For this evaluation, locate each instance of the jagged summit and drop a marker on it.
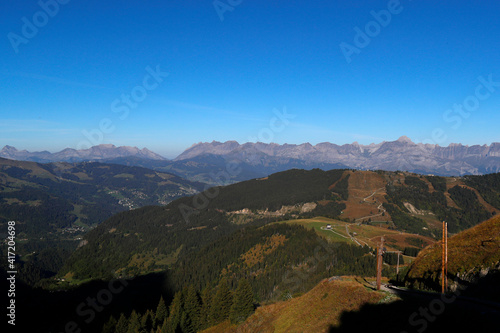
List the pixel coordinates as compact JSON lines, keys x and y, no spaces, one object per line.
{"x":264,"y":158}
{"x":404,"y":138}
{"x":106,"y":145}
{"x":402,"y":154}
{"x":8,"y":148}
{"x":99,"y":152}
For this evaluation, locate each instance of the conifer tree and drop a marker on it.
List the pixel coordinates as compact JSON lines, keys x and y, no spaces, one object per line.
{"x":192,"y":311}
{"x":186,"y":323}
{"x":206,"y":300}
{"x":147,"y":322}
{"x":175,"y":312}
{"x":221,"y":303}
{"x":242,"y":306}
{"x":110,"y":325}
{"x":134,"y":323}
{"x":161,"y":328}
{"x":122,"y":324}
{"x":164,"y":327}
{"x":161,"y":312}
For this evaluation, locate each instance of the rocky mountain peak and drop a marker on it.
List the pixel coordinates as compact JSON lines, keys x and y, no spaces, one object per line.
{"x":7,"y":147}
{"x":404,"y":139}
{"x":95,"y":153}
{"x":8,"y":150}
{"x":108,"y":146}
{"x":402,"y":154}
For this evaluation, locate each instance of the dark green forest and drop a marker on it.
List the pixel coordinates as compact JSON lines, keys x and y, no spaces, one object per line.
{"x":313,"y":257}
{"x":191,"y":222}
{"x":190,"y":311}
{"x":488,"y":186}
{"x":279,"y":189}
{"x":294,"y":266}
{"x":416,"y":191}
{"x":216,"y":284}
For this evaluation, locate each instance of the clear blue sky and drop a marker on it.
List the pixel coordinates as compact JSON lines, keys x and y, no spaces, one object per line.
{"x":226,"y":78}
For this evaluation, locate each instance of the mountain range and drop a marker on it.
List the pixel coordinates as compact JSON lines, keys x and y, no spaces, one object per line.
{"x":96,"y":153}
{"x":402,"y":154}
{"x":252,"y":160}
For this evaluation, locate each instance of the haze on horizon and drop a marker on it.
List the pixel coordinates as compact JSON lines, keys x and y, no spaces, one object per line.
{"x":134,"y":148}
{"x":166,"y":75}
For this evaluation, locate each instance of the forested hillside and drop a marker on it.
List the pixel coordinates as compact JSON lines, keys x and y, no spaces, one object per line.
{"x":278,"y":259}
{"x":153,"y":238}
{"x":227,"y":278}
{"x":46,"y":198}
{"x":54,"y":204}
{"x":162,"y":234}
{"x":445,"y":199}
{"x":218,"y":238}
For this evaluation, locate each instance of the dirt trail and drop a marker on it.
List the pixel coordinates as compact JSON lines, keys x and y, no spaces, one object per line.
{"x":379,"y":207}
{"x":363,"y":187}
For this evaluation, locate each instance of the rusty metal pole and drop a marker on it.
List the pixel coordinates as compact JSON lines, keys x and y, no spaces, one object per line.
{"x":445,"y":256}
{"x":397,"y":267}
{"x":443,"y":260}
{"x":380,"y":250}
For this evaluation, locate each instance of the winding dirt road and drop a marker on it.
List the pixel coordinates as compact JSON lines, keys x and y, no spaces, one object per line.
{"x":380,"y":206}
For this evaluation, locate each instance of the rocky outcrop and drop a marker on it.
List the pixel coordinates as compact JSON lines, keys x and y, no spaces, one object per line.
{"x":402,"y":154}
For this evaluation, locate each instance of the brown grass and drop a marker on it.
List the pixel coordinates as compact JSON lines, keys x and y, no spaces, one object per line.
{"x":256,"y":254}
{"x":361,"y":185}
{"x":471,"y":249}
{"x":314,"y":311}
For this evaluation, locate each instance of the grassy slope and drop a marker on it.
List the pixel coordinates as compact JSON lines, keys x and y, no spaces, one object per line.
{"x":468,"y":251}
{"x":366,"y":234}
{"x":314,"y":311}
{"x":320,"y":222}
{"x":370,"y":185}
